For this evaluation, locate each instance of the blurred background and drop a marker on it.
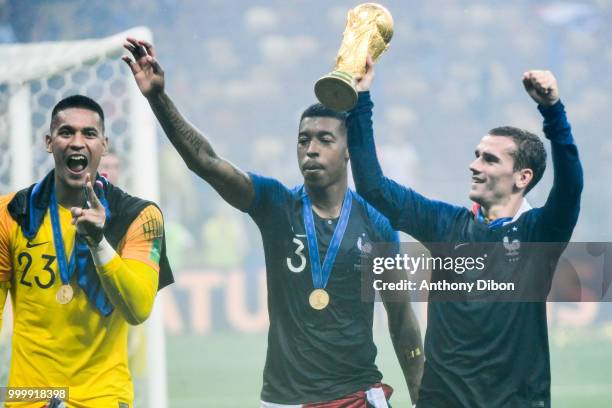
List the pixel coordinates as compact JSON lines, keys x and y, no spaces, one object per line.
{"x":243,"y":71}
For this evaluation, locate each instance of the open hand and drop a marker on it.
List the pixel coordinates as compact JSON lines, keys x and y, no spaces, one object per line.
{"x":147,"y":72}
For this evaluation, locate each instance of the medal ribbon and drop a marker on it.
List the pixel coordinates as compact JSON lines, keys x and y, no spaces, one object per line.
{"x":320,"y":276}
{"x":65,"y":269}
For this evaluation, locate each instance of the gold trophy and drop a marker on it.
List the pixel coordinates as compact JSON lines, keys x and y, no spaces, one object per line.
{"x":369,"y":28}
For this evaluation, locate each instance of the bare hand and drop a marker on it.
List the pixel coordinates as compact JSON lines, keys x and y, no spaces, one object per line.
{"x":364,"y":82}
{"x":90,"y":222}
{"x":147,"y":72}
{"x":542,"y":87}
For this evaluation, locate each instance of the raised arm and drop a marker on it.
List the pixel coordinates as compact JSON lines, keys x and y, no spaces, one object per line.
{"x":426,"y":220}
{"x":230,"y":182}
{"x":560,"y":213}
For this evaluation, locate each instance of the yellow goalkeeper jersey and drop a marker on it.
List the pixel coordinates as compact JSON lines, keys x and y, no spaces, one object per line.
{"x":67,"y":345}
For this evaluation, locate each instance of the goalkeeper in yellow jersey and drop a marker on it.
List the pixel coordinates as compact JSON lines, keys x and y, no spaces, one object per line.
{"x":81,"y":259}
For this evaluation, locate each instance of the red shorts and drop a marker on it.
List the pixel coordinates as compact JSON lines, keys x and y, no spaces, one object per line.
{"x":357,"y":399}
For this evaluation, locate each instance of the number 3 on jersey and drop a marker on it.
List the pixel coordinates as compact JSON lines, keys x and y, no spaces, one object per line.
{"x":299,"y":251}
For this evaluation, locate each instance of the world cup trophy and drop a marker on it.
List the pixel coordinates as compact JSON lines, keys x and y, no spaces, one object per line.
{"x":369,"y":29}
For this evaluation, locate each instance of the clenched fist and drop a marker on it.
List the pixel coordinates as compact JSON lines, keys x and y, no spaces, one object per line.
{"x":541,"y":86}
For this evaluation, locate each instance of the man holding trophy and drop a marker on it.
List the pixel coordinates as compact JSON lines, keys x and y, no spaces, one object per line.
{"x":485,"y":354}
{"x":321,"y":351}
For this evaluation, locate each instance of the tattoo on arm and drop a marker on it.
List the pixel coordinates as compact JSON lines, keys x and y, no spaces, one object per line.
{"x":230,"y":182}
{"x":195,"y":142}
{"x":185,"y":137}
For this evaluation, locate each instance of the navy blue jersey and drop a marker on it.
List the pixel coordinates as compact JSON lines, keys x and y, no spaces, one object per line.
{"x":315,"y":355}
{"x":481,"y":354}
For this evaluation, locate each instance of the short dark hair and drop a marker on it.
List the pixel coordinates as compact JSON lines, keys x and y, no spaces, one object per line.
{"x":77,"y":101}
{"x":319,"y":110}
{"x":529,"y":154}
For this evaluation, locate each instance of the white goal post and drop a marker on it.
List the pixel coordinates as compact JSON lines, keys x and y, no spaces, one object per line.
{"x":33,"y":78}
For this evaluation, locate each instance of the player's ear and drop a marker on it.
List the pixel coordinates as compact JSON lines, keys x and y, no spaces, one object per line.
{"x":522,"y":178}
{"x":48,"y":141}
{"x":105,"y":144}
{"x":343,"y":133}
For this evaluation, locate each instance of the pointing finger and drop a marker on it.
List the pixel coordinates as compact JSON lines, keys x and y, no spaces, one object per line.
{"x":94,"y":202}
{"x":92,"y":198}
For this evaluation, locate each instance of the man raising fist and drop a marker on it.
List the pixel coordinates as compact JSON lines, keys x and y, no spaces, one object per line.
{"x":492,"y":353}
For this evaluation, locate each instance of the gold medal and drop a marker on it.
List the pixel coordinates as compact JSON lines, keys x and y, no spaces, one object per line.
{"x":318,"y":299}
{"x":64,"y":294}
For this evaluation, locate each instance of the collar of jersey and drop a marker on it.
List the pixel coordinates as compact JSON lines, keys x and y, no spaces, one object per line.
{"x":500,"y":222}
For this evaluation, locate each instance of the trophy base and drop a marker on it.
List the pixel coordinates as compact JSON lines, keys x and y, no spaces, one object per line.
{"x":336,"y":91}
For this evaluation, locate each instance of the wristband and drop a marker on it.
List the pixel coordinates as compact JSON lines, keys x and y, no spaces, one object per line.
{"x":102,"y":253}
